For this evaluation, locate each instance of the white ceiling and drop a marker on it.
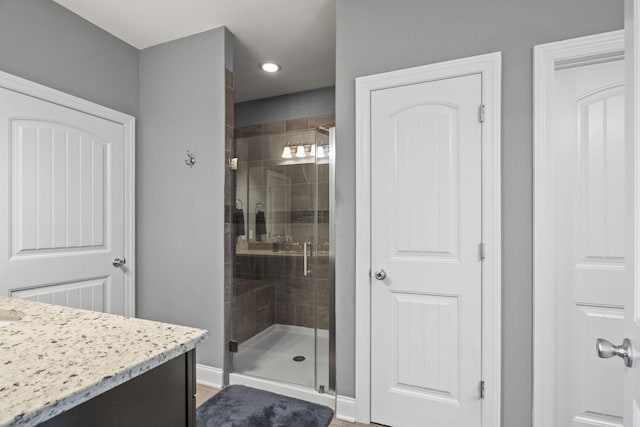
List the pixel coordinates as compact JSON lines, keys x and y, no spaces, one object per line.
{"x":297,"y":34}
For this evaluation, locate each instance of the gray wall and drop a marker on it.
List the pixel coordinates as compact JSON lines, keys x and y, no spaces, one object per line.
{"x":374,"y":36}
{"x":177,"y":95}
{"x":46,"y":43}
{"x":309,"y":103}
{"x":180,"y":210}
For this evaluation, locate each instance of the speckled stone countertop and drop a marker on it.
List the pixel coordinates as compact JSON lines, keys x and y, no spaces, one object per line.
{"x":55,"y":358}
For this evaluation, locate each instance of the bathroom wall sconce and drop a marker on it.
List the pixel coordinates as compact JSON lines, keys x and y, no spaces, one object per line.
{"x":190,"y":160}
{"x":302,"y":151}
{"x":318,"y":151}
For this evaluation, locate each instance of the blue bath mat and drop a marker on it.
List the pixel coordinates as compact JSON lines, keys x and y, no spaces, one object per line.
{"x":240,"y":406}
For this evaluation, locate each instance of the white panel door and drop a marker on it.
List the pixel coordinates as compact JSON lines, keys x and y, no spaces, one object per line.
{"x":425,"y":234}
{"x":62,"y":217}
{"x":632,"y":220}
{"x":588,"y":139}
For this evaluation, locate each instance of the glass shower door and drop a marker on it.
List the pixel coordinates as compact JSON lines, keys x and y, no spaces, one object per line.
{"x":276,"y":264}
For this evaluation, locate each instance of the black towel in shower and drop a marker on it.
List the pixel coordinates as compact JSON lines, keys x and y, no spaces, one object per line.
{"x":261,"y":223}
{"x":238,"y":221}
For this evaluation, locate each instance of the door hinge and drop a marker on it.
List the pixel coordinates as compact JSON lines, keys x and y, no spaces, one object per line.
{"x":481,"y":387}
{"x":481,"y":114}
{"x":233,"y":346}
{"x":481,"y":251}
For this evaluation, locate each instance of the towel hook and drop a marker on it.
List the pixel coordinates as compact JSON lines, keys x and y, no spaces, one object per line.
{"x":190,"y":160}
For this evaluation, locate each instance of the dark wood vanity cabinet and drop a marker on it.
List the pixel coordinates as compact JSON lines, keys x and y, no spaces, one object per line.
{"x":163,"y":396}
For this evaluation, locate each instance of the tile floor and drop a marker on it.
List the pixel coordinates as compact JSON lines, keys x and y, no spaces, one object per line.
{"x":203,"y":393}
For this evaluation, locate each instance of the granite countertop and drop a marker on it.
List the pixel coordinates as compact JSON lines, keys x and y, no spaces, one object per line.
{"x":56,"y":358}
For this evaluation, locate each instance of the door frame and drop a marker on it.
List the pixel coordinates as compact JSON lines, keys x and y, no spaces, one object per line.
{"x":489,"y":66}
{"x":36,"y":90}
{"x":547,"y":57}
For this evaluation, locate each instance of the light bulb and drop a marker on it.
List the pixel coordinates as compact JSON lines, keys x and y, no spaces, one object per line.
{"x":312,"y":151}
{"x":286,"y":153}
{"x":300,"y":151}
{"x":320,"y":151}
{"x":270,"y":67}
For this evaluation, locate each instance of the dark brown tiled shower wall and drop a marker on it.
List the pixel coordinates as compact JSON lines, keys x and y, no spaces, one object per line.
{"x":253,"y":308}
{"x":295,"y":298}
{"x":304,"y":123}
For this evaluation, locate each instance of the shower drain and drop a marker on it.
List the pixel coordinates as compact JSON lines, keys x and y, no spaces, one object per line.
{"x":298,"y":358}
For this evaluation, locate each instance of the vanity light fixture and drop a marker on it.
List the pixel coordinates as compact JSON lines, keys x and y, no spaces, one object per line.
{"x":270,"y":67}
{"x":286,"y":152}
{"x":302,"y":151}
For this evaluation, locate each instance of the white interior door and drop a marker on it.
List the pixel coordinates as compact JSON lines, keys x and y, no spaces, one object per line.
{"x":632,"y":280}
{"x":62,"y":187}
{"x":589,"y":211}
{"x":426,"y":142}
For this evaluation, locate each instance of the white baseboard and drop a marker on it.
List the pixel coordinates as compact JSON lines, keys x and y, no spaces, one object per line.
{"x":208,"y":375}
{"x":346,"y":408}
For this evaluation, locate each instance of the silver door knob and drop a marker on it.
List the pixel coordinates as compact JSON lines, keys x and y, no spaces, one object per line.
{"x":119,"y":262}
{"x":380,"y":274}
{"x":606,"y":350}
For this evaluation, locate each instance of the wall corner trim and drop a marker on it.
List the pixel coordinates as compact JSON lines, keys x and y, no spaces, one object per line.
{"x":208,"y":375}
{"x":346,"y":408}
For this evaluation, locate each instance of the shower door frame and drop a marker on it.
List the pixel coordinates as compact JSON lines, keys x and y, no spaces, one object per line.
{"x":332,"y":261}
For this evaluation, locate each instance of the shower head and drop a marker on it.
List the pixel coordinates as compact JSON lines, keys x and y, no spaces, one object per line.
{"x":323,"y":129}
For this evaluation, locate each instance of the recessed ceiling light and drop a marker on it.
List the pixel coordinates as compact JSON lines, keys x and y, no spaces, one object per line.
{"x":270,"y":67}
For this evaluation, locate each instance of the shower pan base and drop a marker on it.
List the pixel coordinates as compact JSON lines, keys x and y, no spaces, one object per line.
{"x":265,"y":361}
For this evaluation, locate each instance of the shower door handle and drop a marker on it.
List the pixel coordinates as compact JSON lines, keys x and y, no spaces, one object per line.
{"x":305,"y":262}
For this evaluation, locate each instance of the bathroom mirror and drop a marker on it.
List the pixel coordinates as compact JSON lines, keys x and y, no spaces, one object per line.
{"x":281,"y":198}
